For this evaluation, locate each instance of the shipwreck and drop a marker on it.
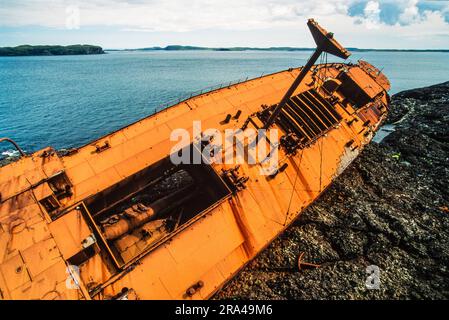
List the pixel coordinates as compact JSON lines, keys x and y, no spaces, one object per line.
{"x":118,"y":219}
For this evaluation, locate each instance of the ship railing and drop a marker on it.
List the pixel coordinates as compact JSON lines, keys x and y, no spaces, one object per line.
{"x":209,"y":89}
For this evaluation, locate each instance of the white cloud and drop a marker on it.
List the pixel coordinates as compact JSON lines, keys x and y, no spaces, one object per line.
{"x":180,"y":15}
{"x":283,"y":18}
{"x":170,"y":15}
{"x":372,"y":14}
{"x":410,"y":14}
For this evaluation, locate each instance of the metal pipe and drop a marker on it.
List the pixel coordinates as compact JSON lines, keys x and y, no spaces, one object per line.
{"x":293,"y":87}
{"x":325,"y":43}
{"x":22,"y":154}
{"x":137,"y":215}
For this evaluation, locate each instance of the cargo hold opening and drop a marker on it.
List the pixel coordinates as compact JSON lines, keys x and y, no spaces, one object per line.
{"x":150,"y":206}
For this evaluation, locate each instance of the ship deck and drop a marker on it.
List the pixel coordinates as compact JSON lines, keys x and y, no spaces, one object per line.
{"x":50,"y":204}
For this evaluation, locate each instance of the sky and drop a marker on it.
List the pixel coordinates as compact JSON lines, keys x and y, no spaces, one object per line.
{"x":114,"y":24}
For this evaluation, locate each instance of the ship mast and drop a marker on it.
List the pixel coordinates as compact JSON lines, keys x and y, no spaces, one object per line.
{"x":325,"y":43}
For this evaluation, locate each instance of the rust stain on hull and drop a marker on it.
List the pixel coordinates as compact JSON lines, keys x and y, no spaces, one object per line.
{"x":132,"y":225}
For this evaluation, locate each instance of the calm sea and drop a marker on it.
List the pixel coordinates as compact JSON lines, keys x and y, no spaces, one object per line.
{"x":68,"y":101}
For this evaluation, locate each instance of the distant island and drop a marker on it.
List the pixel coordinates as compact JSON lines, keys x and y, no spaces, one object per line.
{"x":191,"y":48}
{"x":27,"y":50}
{"x":78,"y":49}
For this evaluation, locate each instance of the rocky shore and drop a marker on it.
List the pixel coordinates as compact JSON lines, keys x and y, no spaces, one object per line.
{"x":388,"y":209}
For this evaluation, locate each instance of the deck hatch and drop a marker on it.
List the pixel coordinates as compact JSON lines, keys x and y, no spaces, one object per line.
{"x":308,"y":115}
{"x":149,"y":207}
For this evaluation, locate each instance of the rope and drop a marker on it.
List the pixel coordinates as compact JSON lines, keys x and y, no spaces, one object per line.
{"x":294,"y":187}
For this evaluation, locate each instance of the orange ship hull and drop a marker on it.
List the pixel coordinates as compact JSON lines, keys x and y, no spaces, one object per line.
{"x":78,"y":226}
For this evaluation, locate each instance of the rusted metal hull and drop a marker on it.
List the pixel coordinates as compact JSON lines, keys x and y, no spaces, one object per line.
{"x":54,"y":207}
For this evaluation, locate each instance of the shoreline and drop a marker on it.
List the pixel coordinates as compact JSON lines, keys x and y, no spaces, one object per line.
{"x":388,"y":209}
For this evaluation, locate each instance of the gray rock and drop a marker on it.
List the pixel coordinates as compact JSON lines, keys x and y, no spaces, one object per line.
{"x":380,"y":211}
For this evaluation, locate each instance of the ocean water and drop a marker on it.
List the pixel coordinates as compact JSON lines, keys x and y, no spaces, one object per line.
{"x":67,"y":101}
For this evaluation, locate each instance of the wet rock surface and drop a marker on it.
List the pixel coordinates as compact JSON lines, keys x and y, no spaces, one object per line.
{"x":388,"y":209}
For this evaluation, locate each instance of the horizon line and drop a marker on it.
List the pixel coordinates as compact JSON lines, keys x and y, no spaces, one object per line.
{"x":174,"y":47}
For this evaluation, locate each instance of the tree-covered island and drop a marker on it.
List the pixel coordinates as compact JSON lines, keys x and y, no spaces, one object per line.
{"x":27,"y":50}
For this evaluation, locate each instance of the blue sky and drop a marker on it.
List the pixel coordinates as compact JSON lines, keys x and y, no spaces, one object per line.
{"x":262,"y":23}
